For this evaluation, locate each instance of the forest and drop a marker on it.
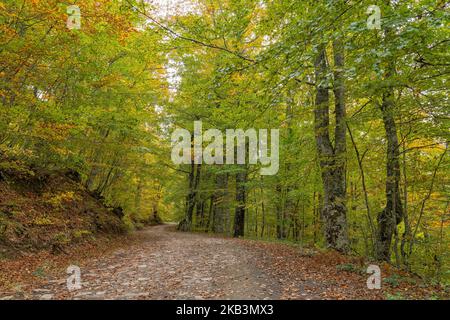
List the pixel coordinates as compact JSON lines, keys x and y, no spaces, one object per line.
{"x":357,"y":89}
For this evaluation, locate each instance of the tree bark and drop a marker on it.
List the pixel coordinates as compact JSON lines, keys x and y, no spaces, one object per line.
{"x":220,"y":202}
{"x":280,"y":212}
{"x":263,"y":212}
{"x":239,"y":215}
{"x":392,"y":214}
{"x":194,"y":181}
{"x":332,"y":159}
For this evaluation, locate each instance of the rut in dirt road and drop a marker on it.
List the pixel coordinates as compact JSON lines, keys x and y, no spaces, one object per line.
{"x":171,"y":265}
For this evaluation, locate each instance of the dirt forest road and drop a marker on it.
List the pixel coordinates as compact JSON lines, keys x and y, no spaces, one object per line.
{"x":166,"y":264}
{"x":171,"y":265}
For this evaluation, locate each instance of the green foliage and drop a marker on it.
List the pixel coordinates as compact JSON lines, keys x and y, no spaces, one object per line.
{"x":81,"y":234}
{"x":393,"y":280}
{"x":104,"y":99}
{"x":348,"y":267}
{"x":42,"y":221}
{"x":58,"y":200}
{"x":396,"y":296}
{"x":61,"y":239}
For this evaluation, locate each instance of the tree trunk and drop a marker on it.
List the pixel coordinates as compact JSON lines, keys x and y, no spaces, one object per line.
{"x":219,"y":202}
{"x":280,"y":212}
{"x":210,"y":213}
{"x":392,"y":214}
{"x":332,"y":160}
{"x":263,"y":213}
{"x":155,"y":208}
{"x":239,"y":216}
{"x":194,"y":181}
{"x":288,"y":205}
{"x":138,"y":198}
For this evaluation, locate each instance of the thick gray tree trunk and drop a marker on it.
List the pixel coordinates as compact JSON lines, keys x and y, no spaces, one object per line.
{"x":332,"y":159}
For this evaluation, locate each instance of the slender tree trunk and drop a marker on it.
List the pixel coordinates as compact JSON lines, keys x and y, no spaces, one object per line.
{"x":184,"y":225}
{"x":200,"y":213}
{"x":95,"y":170}
{"x":210,"y":214}
{"x":256,"y":214}
{"x":239,"y":216}
{"x":279,"y":212}
{"x":366,"y":196}
{"x":314,"y":212}
{"x":392,"y":214}
{"x":194,"y":181}
{"x":138,"y":198}
{"x":220,"y":209}
{"x":263,"y":213}
{"x":108,"y":179}
{"x":406,"y":236}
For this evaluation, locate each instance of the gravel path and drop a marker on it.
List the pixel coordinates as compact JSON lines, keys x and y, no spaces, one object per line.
{"x":166,"y":264}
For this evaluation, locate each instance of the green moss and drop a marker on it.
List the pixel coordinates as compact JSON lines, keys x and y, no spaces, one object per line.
{"x":42,"y":221}
{"x":393,"y":281}
{"x":61,"y":238}
{"x":395,"y":296}
{"x":347,"y":267}
{"x":81,"y":234}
